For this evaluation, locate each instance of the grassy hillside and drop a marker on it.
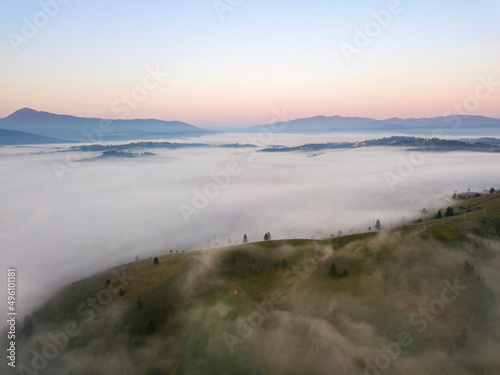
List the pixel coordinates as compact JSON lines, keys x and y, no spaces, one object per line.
{"x":420,"y":299}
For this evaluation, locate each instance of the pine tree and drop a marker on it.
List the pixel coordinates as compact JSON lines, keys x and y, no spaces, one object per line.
{"x":449,"y":212}
{"x":245,"y":238}
{"x":377,"y":225}
{"x":462,"y":338}
{"x":27,"y":326}
{"x":139,"y":303}
{"x":151,"y":326}
{"x":468,"y":266}
{"x":439,"y":215}
{"x":156,"y":261}
{"x":333,"y":270}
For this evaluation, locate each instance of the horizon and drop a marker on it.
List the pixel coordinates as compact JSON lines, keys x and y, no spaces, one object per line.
{"x":235,"y":65}
{"x":243,"y":126}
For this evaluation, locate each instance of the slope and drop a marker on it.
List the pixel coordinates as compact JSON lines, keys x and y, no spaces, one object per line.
{"x":412,"y":300}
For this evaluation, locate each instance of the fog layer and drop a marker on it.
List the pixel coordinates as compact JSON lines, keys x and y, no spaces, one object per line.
{"x":62,"y":218}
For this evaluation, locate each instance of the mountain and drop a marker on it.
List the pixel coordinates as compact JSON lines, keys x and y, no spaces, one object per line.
{"x":322,"y":124}
{"x":13,"y":137}
{"x":91,"y":130}
{"x":317,"y":124}
{"x":94,"y":129}
{"x":450,"y":122}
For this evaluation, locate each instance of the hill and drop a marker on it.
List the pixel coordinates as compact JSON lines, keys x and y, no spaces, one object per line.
{"x":419,"y":299}
{"x":94,"y":129}
{"x":12,"y":137}
{"x":414,"y":143}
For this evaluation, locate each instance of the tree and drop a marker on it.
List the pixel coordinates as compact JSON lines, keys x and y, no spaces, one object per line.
{"x":156,"y":261}
{"x":492,"y":190}
{"x":121,"y":292}
{"x":439,"y":215}
{"x":454,"y":196}
{"x":245,"y":238}
{"x":462,"y":338}
{"x":449,"y":212}
{"x":139,"y":303}
{"x":267,"y":236}
{"x":27,"y":326}
{"x":377,"y":225}
{"x":333,"y":270}
{"x":171,"y":251}
{"x":151,"y":327}
{"x":345,"y":273}
{"x":284,"y":263}
{"x":340,"y":233}
{"x":136,"y":258}
{"x":469,"y":267}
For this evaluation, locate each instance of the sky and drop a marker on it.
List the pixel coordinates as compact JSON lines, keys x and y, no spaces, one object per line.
{"x":210,"y":63}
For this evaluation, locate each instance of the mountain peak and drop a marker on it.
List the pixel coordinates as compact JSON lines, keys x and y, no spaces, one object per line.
{"x":20,"y":113}
{"x":25,"y":110}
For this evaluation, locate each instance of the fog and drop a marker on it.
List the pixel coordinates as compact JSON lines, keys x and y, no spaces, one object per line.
{"x":64,"y":216}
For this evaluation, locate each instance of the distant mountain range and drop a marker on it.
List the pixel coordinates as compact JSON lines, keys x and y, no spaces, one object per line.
{"x":64,"y":128}
{"x":322,"y":124}
{"x":28,"y":126}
